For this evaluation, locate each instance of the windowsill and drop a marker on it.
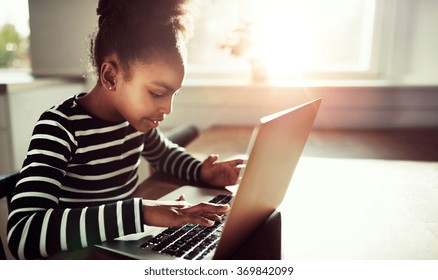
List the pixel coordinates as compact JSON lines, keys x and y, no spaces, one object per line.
{"x":239,"y":83}
{"x":239,"y":77}
{"x":15,"y":76}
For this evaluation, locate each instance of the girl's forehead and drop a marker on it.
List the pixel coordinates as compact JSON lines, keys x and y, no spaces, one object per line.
{"x":160,"y":65}
{"x":159,"y":72}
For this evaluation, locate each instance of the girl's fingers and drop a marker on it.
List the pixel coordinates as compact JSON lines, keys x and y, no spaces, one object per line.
{"x":211,"y":160}
{"x":206,"y":208}
{"x":213,"y":217}
{"x":200,"y":220}
{"x":237,"y":162}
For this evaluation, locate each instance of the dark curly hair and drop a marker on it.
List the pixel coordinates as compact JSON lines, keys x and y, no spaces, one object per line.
{"x":138,"y":30}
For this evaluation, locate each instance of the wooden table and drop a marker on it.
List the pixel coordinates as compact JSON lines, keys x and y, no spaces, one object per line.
{"x":361,"y":209}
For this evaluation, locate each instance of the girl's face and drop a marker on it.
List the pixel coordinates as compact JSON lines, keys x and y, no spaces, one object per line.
{"x":146,"y":98}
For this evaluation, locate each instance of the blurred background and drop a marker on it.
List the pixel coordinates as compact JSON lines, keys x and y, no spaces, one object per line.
{"x":374,"y":63}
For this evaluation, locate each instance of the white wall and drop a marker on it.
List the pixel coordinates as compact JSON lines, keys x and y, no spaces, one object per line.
{"x":59,"y":36}
{"x":414,"y":55}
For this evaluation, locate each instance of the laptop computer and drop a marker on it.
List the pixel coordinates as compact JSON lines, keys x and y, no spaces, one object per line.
{"x":273,"y":153}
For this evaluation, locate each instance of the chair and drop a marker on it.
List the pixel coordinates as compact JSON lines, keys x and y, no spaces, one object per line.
{"x":7,"y":185}
{"x":181,"y":135}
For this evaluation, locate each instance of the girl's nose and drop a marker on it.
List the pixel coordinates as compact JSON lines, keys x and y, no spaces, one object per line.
{"x":167,"y":105}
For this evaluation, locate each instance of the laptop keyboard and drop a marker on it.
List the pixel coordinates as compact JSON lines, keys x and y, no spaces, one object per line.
{"x":190,"y":241}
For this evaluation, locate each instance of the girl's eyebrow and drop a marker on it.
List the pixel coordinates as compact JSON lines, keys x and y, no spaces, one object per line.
{"x":164,"y":85}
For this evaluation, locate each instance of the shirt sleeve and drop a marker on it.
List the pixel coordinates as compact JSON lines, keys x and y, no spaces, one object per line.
{"x":170,"y":158}
{"x":37,"y":225}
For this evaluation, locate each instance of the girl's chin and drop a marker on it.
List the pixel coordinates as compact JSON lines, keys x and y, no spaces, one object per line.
{"x":143,"y":128}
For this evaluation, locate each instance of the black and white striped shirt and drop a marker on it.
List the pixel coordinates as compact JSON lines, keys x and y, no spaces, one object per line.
{"x":77,"y":177}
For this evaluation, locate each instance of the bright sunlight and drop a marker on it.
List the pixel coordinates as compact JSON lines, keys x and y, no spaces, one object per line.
{"x":298,"y":36}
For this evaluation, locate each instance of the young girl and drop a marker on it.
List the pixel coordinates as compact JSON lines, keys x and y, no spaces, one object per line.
{"x":81,"y":167}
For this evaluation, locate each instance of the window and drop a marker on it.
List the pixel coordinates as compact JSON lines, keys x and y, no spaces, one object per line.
{"x":14,"y":34}
{"x":284,"y":38}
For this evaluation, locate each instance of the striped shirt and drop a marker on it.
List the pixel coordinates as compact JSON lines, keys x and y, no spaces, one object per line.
{"x":75,"y":184}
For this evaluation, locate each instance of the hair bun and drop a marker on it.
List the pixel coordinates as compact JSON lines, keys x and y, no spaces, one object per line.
{"x":135,"y":29}
{"x":132,"y":12}
{"x":110,"y":9}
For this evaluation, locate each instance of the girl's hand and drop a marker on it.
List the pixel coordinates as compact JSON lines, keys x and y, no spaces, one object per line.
{"x":180,"y":212}
{"x":220,"y":173}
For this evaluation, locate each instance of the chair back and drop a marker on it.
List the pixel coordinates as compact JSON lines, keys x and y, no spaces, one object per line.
{"x":7,"y":186}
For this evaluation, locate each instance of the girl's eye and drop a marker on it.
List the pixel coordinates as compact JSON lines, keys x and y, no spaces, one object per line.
{"x":157,"y":95}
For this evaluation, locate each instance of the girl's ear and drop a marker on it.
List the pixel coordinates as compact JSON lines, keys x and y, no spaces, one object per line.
{"x":108,"y":75}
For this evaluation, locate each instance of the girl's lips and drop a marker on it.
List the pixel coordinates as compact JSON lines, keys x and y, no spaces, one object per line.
{"x":154,"y":123}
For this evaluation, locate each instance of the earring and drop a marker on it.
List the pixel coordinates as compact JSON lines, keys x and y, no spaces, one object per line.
{"x":113,"y":86}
